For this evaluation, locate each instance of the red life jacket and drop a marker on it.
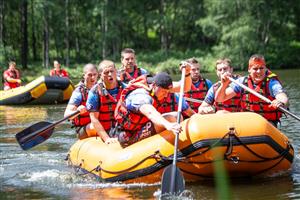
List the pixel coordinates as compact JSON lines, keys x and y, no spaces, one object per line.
{"x":12,"y":74}
{"x":168,"y":104}
{"x":197,"y":93}
{"x":250,"y":102}
{"x":60,"y":73}
{"x":132,"y":122}
{"x":82,"y":119}
{"x":107,"y":106}
{"x":231,"y":105}
{"x":126,"y":77}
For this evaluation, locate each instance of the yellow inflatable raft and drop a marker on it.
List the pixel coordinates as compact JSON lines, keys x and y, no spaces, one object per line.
{"x":245,"y":143}
{"x":43,"y":90}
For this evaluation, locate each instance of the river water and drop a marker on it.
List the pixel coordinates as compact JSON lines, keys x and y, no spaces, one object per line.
{"x":42,"y":172}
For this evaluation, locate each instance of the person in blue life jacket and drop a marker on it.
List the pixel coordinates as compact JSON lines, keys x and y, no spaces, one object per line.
{"x":200,"y":84}
{"x":137,"y":112}
{"x":209,"y":105}
{"x":102,"y":100}
{"x":129,"y":69}
{"x":261,"y":80}
{"x":78,"y":101}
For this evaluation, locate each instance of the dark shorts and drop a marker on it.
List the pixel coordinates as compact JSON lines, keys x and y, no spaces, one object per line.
{"x":128,"y":138}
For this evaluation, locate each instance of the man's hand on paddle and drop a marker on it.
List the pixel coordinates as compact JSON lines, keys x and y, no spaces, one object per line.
{"x":276,"y":104}
{"x":82,"y":109}
{"x":225,"y":78}
{"x":174,"y":127}
{"x":185,"y":65}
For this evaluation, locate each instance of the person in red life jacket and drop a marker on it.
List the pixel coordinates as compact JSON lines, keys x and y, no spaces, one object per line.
{"x":58,"y":71}
{"x":129,"y":70}
{"x":78,"y":102}
{"x":170,"y":104}
{"x":263,"y":81}
{"x":200,"y":85}
{"x":209,"y":104}
{"x":137,"y":110}
{"x":11,"y":77}
{"x":102,"y":101}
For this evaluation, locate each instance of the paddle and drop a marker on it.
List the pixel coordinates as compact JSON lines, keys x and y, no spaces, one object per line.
{"x":282,"y":109}
{"x":172,"y":179}
{"x":193,"y":100}
{"x":38,"y":133}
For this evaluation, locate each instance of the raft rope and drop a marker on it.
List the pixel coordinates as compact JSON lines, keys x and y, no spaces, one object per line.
{"x":232,"y":135}
{"x":79,"y":170}
{"x":157,"y":156}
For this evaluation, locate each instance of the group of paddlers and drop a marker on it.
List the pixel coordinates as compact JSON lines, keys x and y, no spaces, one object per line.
{"x":12,"y":76}
{"x":129,"y":105}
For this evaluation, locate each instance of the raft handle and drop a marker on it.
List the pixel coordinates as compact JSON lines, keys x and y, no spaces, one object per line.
{"x":235,"y":159}
{"x":67,"y":157}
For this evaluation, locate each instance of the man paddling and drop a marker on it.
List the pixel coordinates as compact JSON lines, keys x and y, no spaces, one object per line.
{"x":261,"y":80}
{"x":209,"y":105}
{"x":78,"y":102}
{"x":136,"y":112}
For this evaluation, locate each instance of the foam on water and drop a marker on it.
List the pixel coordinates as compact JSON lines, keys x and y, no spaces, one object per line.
{"x":40,"y":176}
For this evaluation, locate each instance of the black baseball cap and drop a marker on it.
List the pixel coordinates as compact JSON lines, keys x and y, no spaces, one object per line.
{"x":161,"y":79}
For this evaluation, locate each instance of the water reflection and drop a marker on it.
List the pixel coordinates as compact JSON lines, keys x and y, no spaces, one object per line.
{"x":113,"y":193}
{"x":21,"y":115}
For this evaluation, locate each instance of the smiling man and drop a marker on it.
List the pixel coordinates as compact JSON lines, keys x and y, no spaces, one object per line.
{"x":263,"y":81}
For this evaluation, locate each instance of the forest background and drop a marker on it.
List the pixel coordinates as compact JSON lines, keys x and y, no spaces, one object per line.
{"x":163,"y":32}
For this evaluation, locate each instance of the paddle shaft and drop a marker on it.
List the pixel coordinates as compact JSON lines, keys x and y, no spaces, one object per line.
{"x":49,"y":127}
{"x":282,"y":109}
{"x":193,"y":100}
{"x":173,"y":176}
